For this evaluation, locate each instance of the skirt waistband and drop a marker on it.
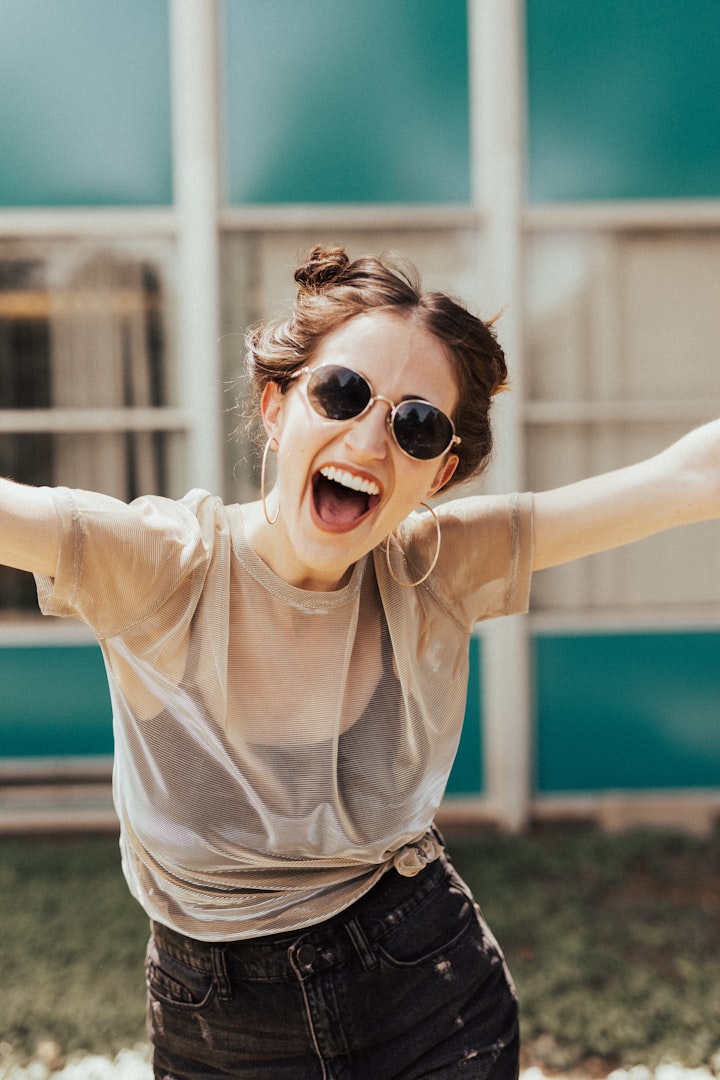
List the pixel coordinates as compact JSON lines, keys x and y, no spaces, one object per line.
{"x":389,"y":902}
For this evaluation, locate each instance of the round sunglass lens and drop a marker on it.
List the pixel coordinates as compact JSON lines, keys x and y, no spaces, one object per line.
{"x":421,"y":430}
{"x":337,"y":392}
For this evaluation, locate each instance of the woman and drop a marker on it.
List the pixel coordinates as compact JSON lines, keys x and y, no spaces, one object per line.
{"x":288,"y":682}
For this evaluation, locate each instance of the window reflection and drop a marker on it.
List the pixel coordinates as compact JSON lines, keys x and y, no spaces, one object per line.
{"x":81,"y":337}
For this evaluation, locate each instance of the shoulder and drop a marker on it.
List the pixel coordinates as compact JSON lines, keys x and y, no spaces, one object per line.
{"x":484,"y":564}
{"x":492,"y":522}
{"x":490,"y":511}
{"x":147,"y":513}
{"x":120,"y":562}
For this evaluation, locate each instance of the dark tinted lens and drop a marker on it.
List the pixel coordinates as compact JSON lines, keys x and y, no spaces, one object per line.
{"x":337,"y":392}
{"x":422,"y":430}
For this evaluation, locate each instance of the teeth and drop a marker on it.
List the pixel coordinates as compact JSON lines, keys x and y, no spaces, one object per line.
{"x":357,"y":483}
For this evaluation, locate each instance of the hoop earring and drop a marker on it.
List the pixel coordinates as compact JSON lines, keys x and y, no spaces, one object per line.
{"x":428,"y":572}
{"x":263,"y":494}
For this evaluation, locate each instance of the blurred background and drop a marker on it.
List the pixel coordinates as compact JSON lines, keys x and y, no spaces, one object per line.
{"x":164,"y":165}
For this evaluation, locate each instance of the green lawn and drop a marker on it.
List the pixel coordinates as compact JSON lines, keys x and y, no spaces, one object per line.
{"x":614,"y":943}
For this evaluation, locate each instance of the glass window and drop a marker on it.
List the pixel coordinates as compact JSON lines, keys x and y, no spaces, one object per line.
{"x":84,"y":103}
{"x":621,"y":360}
{"x":337,"y":102}
{"x":83,"y":369}
{"x":624,"y":99}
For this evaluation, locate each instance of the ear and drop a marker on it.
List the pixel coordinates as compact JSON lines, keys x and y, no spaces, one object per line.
{"x":444,"y":473}
{"x":271,"y":408}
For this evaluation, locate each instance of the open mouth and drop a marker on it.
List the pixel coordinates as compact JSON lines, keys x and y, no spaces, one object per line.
{"x":341,"y":498}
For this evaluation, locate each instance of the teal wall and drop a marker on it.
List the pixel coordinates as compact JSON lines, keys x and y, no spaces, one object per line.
{"x":627,"y":710}
{"x":343,"y":102}
{"x":467,"y":776}
{"x":327,"y":101}
{"x":324,"y":102}
{"x":54,"y":702}
{"x":84,"y":103}
{"x":333,"y":102}
{"x":624,"y":99}
{"x":613,"y":711}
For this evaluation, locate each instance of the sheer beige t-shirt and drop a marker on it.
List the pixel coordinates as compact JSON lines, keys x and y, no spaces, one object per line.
{"x":276,"y":748}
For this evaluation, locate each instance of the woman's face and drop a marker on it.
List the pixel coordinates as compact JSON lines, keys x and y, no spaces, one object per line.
{"x":325,"y":523}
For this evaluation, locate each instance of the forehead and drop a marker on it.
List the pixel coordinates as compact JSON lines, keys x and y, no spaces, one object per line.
{"x":399,"y":357}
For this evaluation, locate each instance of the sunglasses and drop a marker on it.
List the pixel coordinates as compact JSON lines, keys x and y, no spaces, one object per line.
{"x":420,"y":429}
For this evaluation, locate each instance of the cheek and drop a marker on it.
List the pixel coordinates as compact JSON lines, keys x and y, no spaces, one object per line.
{"x":300,"y":441}
{"x":291,"y":429}
{"x":413,"y":484}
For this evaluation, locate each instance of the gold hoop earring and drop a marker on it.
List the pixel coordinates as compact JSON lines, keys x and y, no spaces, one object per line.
{"x":263,"y":494}
{"x":433,"y":564}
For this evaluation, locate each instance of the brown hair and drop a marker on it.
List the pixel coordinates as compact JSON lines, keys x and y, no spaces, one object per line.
{"x":332,"y":289}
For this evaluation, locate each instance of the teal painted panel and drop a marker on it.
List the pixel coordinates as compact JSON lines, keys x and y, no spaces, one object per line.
{"x":467,"y":776}
{"x":627,"y":711}
{"x":84,"y":103}
{"x":54,"y":702}
{"x":624,"y":99}
{"x":340,"y":102}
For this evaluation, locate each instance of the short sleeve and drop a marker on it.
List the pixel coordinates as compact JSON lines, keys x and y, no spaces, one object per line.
{"x":120,"y":562}
{"x":484,"y":568}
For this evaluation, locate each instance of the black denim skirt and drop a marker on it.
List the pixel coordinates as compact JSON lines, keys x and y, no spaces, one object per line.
{"x":406,"y":983}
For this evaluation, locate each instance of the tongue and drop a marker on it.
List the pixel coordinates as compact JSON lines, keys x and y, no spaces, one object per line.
{"x":338,"y":505}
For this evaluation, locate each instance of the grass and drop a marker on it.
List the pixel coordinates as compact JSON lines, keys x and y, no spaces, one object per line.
{"x":72,"y":944}
{"x":614,"y":943}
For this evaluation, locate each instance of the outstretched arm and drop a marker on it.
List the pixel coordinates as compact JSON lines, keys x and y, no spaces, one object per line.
{"x":28,"y":528}
{"x":676,"y":487}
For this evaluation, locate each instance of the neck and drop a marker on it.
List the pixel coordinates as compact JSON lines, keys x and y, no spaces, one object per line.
{"x":270,"y":543}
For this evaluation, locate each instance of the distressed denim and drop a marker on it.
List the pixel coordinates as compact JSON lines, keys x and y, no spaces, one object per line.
{"x":407,"y":983}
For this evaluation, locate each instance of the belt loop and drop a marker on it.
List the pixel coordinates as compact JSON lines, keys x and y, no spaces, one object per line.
{"x":362,"y":945}
{"x":219,"y":966}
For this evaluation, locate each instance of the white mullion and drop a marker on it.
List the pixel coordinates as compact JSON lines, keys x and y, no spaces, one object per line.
{"x":72,"y":421}
{"x":194,"y":48}
{"x":594,"y":413}
{"x":498,"y":128}
{"x":290,"y":217}
{"x":116,"y":222}
{"x":665,"y":215}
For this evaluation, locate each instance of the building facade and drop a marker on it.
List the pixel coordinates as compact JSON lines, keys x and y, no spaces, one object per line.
{"x":164,"y":165}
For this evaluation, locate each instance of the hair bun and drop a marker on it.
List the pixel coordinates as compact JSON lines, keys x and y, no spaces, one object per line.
{"x":321,"y":268}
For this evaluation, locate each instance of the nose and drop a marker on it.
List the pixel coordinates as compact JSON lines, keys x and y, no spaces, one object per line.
{"x":368,"y":434}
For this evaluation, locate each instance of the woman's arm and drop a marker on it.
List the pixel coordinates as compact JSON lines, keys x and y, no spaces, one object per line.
{"x":29,"y":533}
{"x":678,"y":486}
